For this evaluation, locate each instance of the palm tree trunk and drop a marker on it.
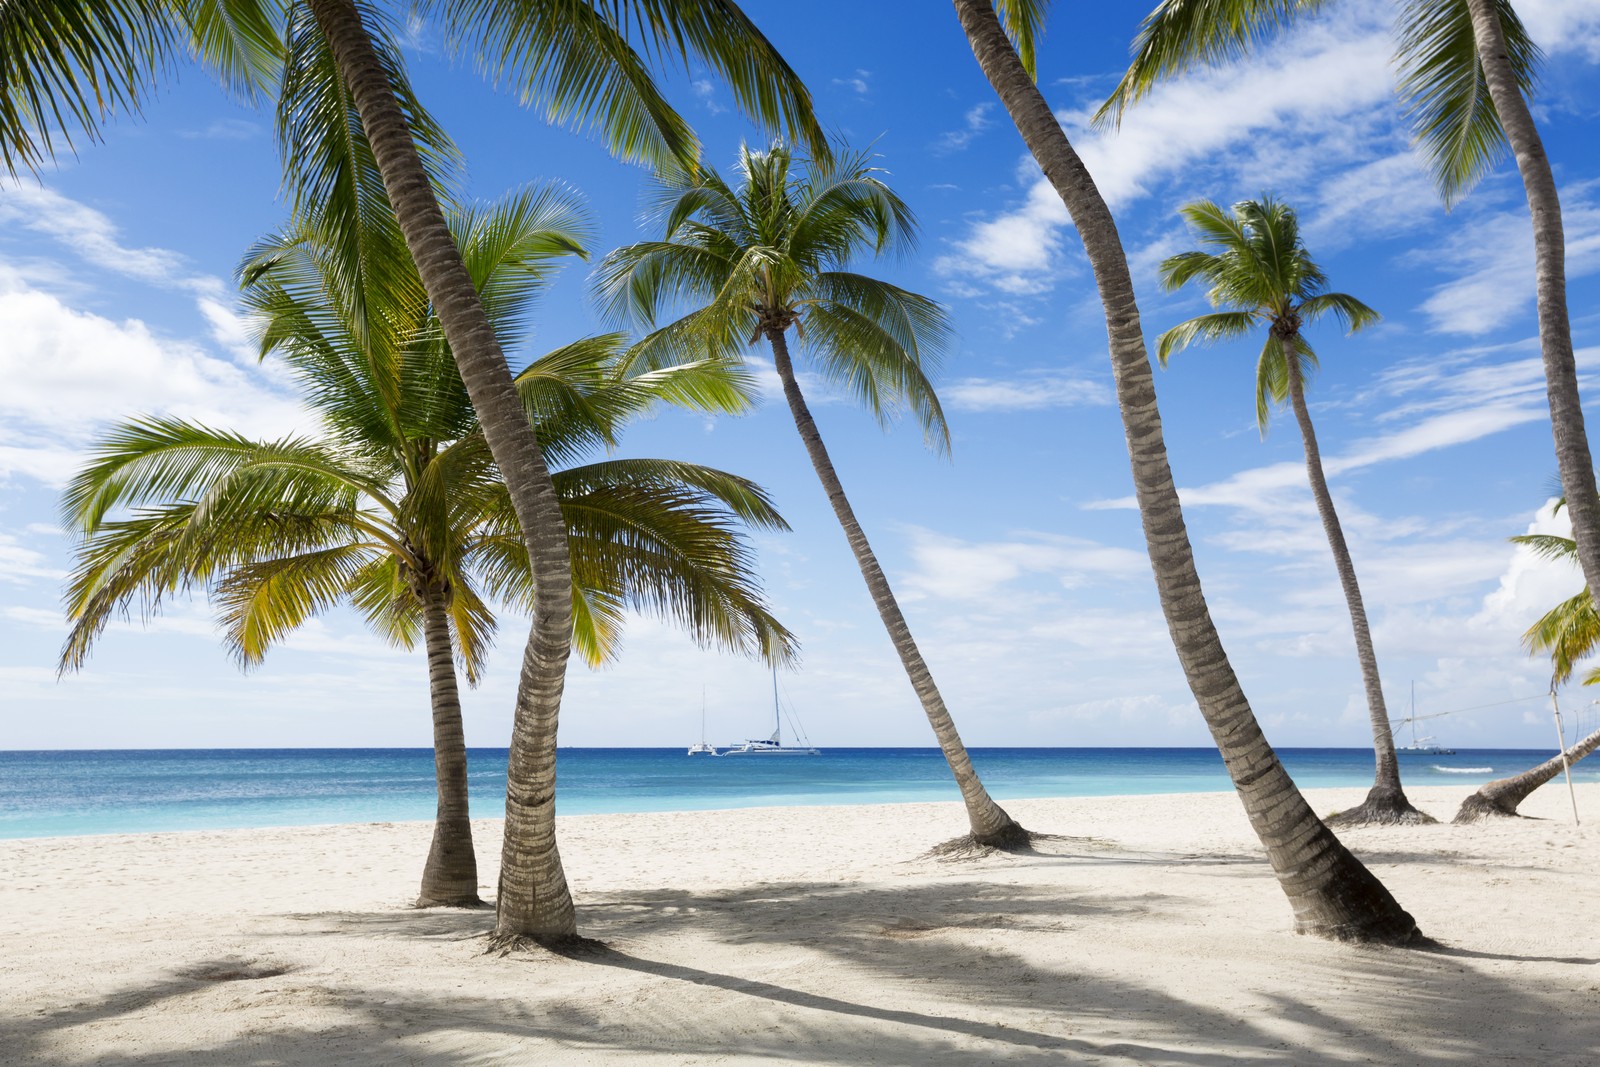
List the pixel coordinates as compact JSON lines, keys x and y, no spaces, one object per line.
{"x":1332,"y":893}
{"x":1386,"y":802}
{"x":1500,"y":797}
{"x":450,"y":877}
{"x":534,"y":901}
{"x":990,"y":823}
{"x":1550,"y":272}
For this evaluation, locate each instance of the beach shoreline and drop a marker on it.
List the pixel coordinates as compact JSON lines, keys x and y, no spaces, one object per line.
{"x":1150,"y":931}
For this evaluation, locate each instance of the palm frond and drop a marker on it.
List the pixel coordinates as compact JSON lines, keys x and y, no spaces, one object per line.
{"x":329,"y":167}
{"x":587,"y":64}
{"x":1220,"y":326}
{"x":68,"y":64}
{"x":1566,"y":633}
{"x":240,"y":41}
{"x":1548,"y":546}
{"x":1023,"y":21}
{"x":260,"y":603}
{"x":1182,"y":34}
{"x":1442,"y":84}
{"x":1354,"y":314}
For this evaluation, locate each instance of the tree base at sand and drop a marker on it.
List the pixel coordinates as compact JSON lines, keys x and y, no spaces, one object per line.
{"x":1500,"y":798}
{"x":1384,"y":806}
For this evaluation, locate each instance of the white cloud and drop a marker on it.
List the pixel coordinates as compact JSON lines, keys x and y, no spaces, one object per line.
{"x":19,"y":564}
{"x":1491,"y":257}
{"x":974,"y":122}
{"x":1561,"y":26}
{"x":1325,"y":91}
{"x":69,"y":372}
{"x":950,"y":568}
{"x":93,"y":237}
{"x":1463,"y":401}
{"x":858,"y":83}
{"x":1036,"y":392}
{"x":225,"y":130}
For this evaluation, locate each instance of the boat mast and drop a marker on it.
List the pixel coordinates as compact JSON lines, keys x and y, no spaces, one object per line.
{"x":1413,"y":713}
{"x":777,"y":721}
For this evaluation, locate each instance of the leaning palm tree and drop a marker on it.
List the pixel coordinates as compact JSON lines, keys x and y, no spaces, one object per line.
{"x":1262,"y":275}
{"x":1466,"y":69}
{"x":1332,"y":893}
{"x":74,"y":64}
{"x":771,"y":256}
{"x":397,"y":509}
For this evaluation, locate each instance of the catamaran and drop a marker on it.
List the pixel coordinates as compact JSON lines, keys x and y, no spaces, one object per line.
{"x":772,"y":746}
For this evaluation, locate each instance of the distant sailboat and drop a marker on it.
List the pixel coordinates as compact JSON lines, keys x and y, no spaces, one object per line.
{"x":771,"y":746}
{"x":702,"y":747}
{"x":1421,"y":746}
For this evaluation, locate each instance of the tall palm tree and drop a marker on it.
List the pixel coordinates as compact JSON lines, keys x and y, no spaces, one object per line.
{"x":1332,"y":893}
{"x":1263,"y":276}
{"x":1466,"y":69}
{"x":586,"y":61}
{"x":770,"y":256}
{"x":397,"y":509}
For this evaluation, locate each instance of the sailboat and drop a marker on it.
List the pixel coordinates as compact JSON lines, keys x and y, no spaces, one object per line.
{"x":702,"y":747}
{"x":1421,"y":746}
{"x":771,"y":746}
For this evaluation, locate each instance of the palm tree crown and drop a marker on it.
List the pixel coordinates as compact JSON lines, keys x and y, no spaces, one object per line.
{"x":1263,"y":275}
{"x":771,"y":254}
{"x":400,"y":496}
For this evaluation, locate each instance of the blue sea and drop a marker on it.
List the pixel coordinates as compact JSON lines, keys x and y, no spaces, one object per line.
{"x":87,"y":792}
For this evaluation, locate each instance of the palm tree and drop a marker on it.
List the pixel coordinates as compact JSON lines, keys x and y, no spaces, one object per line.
{"x":398,"y":509}
{"x":771,"y":255}
{"x":1466,"y":69}
{"x":585,"y":61}
{"x":1500,"y":798}
{"x":1263,"y":276}
{"x":1331,"y":892}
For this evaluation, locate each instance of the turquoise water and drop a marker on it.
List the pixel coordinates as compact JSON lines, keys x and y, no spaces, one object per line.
{"x":51,"y":793}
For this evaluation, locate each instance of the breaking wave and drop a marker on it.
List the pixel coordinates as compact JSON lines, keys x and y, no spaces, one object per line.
{"x":1463,"y":770}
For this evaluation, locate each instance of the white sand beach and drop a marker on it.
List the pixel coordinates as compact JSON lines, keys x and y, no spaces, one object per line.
{"x":807,"y":935}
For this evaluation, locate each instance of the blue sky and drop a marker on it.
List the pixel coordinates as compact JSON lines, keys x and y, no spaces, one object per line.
{"x":1018,"y":560}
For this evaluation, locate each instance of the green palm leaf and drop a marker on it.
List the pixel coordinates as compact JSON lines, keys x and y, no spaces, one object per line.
{"x":1442,"y":84}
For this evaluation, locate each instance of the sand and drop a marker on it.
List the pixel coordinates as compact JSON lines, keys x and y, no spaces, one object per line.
{"x":807,"y":935}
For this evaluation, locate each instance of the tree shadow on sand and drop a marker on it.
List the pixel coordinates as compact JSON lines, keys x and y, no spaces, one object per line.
{"x":954,"y":972}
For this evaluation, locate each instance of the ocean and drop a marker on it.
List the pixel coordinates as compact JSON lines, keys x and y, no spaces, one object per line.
{"x":134,"y":791}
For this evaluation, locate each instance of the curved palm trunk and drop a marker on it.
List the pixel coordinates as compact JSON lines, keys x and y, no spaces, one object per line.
{"x":1386,"y":802}
{"x":1550,"y":271}
{"x":1500,"y":797}
{"x":534,"y":901}
{"x":1331,"y":892}
{"x":450,"y":877}
{"x":990,"y":823}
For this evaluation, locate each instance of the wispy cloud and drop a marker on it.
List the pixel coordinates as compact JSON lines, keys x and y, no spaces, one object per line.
{"x":859,"y":83}
{"x":705,"y":90}
{"x":1325,"y":94}
{"x":1491,"y":258}
{"x":974,"y":122}
{"x":93,"y":237}
{"x":951,"y":568}
{"x":225,"y":130}
{"x":1038,"y":391}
